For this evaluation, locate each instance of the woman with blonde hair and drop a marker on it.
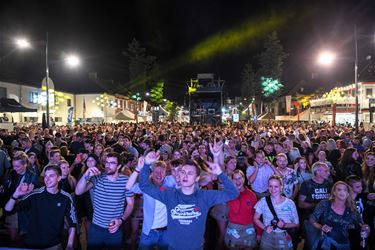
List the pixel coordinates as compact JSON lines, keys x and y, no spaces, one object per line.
{"x":275,"y":235}
{"x":334,"y":218}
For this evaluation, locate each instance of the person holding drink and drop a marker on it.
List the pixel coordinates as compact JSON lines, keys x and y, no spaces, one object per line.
{"x":111,"y":203}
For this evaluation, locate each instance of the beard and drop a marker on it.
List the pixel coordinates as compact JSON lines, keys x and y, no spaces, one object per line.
{"x":109,"y":171}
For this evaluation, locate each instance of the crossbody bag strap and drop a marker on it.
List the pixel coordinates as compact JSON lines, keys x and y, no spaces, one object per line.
{"x":270,"y":206}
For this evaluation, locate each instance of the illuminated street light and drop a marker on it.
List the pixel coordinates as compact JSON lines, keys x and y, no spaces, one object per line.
{"x":72,"y":61}
{"x":326,"y":58}
{"x":22,"y":43}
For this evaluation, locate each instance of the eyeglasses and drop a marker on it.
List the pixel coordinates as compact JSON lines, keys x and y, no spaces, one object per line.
{"x":111,"y":163}
{"x":191,"y":173}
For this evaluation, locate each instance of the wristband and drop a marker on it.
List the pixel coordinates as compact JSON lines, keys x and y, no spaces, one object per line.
{"x":136,"y":170}
{"x":14,"y":198}
{"x":122,"y":220}
{"x":87,"y":178}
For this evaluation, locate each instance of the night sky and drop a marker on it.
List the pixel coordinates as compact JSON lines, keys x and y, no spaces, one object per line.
{"x":99,"y":31}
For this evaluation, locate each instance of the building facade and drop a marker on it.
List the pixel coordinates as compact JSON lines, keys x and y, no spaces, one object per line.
{"x":339,"y":105}
{"x":91,"y":107}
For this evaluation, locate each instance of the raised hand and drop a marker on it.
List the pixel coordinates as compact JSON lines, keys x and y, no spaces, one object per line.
{"x":151,"y":157}
{"x":216,"y":148}
{"x":23,"y":189}
{"x":215,"y":168}
{"x":94,"y":171}
{"x":141,"y":163}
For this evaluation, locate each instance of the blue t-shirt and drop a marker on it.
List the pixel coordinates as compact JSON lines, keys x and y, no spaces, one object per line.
{"x":187,"y":213}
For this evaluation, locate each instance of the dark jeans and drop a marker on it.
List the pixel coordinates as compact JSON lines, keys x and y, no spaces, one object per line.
{"x":99,"y":238}
{"x":154,"y":238}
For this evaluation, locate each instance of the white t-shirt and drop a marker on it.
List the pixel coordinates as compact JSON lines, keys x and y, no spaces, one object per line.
{"x":160,"y":220}
{"x":286,"y":211}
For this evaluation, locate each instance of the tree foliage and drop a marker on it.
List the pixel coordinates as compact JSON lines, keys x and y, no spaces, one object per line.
{"x":171,"y":108}
{"x":270,"y":63}
{"x":249,"y":86}
{"x":143,"y":69}
{"x":272,"y":58}
{"x":157,"y":93}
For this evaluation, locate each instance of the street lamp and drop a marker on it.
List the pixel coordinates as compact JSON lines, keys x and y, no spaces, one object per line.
{"x":136,"y":97}
{"x":356,"y":80}
{"x":326,"y":58}
{"x":22,"y":43}
{"x":71,"y":61}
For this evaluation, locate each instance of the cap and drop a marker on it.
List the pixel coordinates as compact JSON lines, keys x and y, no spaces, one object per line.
{"x":241,"y":154}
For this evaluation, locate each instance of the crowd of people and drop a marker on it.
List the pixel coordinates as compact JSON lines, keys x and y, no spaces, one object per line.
{"x":265,"y":185}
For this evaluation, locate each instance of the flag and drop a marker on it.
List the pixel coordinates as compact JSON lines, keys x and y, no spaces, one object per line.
{"x":84,"y":108}
{"x":70,"y":115}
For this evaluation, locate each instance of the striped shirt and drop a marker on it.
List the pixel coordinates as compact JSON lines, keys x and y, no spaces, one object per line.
{"x":109,"y":199}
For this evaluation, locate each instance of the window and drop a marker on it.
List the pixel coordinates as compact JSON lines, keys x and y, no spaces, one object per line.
{"x":369,"y":92}
{"x":69,"y":102}
{"x":3,"y":92}
{"x":33,"y":97}
{"x":30,"y":119}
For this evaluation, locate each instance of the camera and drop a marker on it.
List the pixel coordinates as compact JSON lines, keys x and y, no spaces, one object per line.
{"x":274,"y":223}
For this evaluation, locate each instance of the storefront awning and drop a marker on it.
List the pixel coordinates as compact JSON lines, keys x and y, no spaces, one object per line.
{"x":12,"y":106}
{"x":124,"y":116}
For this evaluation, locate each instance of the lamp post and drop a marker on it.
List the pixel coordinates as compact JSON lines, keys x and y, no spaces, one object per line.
{"x":71,"y":61}
{"x":136,"y":97}
{"x":356,"y":80}
{"x":47,"y":83}
{"x":327,"y":58}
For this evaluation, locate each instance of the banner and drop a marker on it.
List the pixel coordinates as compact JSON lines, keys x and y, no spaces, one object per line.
{"x":70,"y":115}
{"x":288,"y":100}
{"x":84,"y":108}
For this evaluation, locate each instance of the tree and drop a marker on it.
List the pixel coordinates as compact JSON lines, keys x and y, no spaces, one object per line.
{"x":171,"y":108}
{"x":272,"y":58}
{"x":143,"y":68}
{"x":249,"y":85}
{"x":271,"y":61}
{"x":157,"y":93}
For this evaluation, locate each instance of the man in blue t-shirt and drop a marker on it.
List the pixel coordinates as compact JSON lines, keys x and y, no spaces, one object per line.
{"x":187,"y":207}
